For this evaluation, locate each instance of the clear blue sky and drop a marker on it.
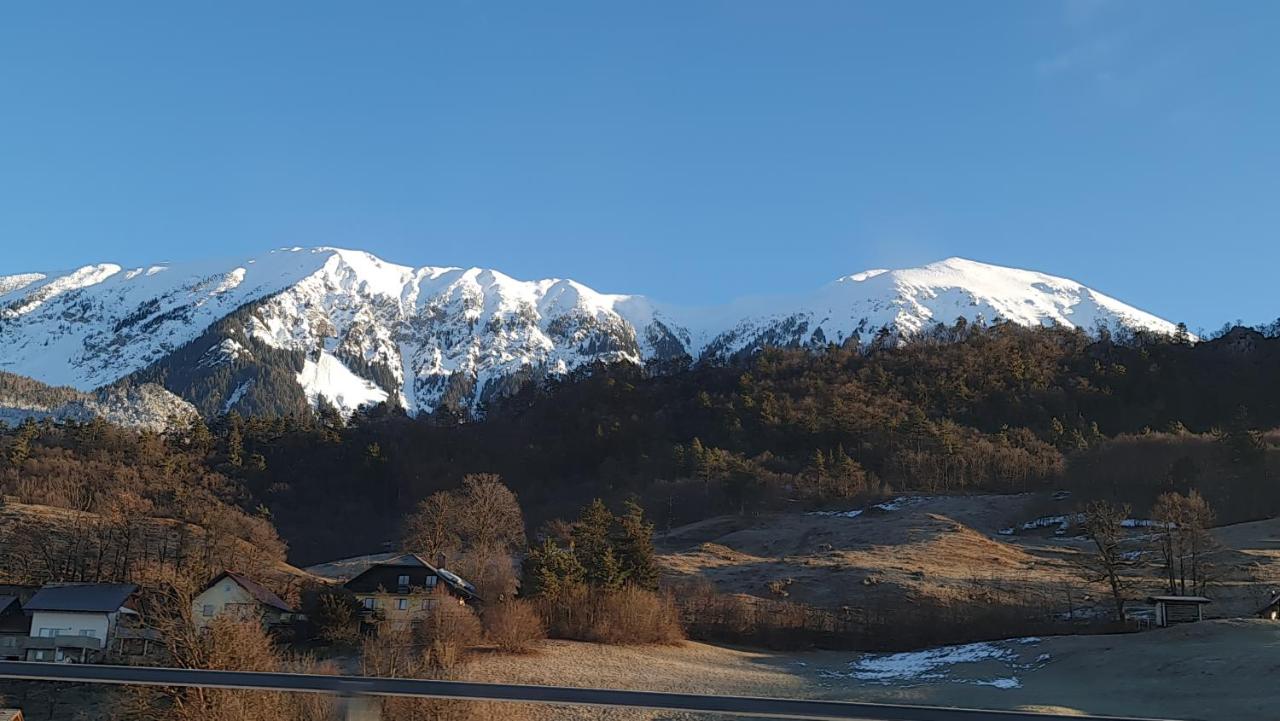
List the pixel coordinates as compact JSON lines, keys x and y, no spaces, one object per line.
{"x":694,"y":151}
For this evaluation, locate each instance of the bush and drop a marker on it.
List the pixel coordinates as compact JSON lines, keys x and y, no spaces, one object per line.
{"x":514,"y":626}
{"x":334,"y":615}
{"x":634,"y":615}
{"x":447,"y":634}
{"x":627,"y":616}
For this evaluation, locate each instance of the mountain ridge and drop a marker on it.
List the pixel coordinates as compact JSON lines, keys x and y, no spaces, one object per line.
{"x":344,"y":327}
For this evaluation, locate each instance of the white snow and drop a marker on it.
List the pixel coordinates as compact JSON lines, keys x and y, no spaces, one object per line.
{"x":11,"y":283}
{"x":236,"y":395}
{"x":841,"y":514}
{"x":936,"y":664}
{"x":1010,"y":682}
{"x":900,"y":503}
{"x":927,"y":664}
{"x":428,"y":325}
{"x":328,"y":378}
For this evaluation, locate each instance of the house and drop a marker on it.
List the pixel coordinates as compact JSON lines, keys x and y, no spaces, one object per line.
{"x":75,"y":622}
{"x":14,"y":626}
{"x":406,"y":589}
{"x":1270,"y":611}
{"x":241,"y":596}
{"x":10,"y":714}
{"x":1171,"y":610}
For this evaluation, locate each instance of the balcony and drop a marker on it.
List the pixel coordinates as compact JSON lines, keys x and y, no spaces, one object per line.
{"x":90,"y":643}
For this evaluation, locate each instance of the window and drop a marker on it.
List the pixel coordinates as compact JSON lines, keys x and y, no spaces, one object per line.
{"x":431,"y":581}
{"x":368,"y":602}
{"x":403,"y":580}
{"x":91,"y":633}
{"x":402,"y":604}
{"x":207,"y":611}
{"x":428,"y":604}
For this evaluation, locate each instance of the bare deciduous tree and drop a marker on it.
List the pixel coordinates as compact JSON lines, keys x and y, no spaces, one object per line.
{"x":1184,"y":541}
{"x":1104,"y":525}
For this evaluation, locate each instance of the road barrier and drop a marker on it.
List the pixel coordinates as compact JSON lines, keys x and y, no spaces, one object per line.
{"x":358,"y":689}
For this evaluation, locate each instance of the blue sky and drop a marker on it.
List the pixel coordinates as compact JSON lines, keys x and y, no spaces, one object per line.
{"x":691,"y":150}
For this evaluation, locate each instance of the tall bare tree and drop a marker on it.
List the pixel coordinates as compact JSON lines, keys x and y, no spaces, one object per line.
{"x":1104,"y":525}
{"x":1184,"y":541}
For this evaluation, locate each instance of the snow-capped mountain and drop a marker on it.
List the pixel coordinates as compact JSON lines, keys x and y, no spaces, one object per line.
{"x":305,"y":326}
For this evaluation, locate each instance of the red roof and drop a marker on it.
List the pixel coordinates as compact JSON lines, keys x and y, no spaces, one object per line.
{"x":255,"y":589}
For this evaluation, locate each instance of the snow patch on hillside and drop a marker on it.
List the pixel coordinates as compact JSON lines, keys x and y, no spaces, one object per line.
{"x":327,"y":378}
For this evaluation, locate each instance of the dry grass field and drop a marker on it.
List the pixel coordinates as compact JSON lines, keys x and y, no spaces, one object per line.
{"x":1217,"y":670}
{"x":946,"y":548}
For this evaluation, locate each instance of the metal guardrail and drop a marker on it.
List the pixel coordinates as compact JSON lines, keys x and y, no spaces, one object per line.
{"x":361,"y":686}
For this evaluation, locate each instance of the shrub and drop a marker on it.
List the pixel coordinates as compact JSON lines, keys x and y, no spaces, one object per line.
{"x":447,"y":634}
{"x":335,"y":617}
{"x":629,"y":615}
{"x":634,"y":615}
{"x":514,"y":626}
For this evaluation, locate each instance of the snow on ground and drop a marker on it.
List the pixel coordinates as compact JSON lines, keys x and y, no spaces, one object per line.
{"x":236,"y":395}
{"x":937,"y":664}
{"x":896,"y":504}
{"x":842,"y":514}
{"x":900,"y":503}
{"x":328,"y":378}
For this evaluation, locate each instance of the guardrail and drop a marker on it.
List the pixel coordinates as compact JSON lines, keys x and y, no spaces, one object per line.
{"x":362,"y":687}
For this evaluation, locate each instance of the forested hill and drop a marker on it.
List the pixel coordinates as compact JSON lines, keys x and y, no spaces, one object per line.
{"x":1002,"y":408}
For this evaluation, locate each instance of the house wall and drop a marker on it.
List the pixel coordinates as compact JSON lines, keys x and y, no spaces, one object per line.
{"x":227,"y":596}
{"x":54,"y":624}
{"x":419,"y":604}
{"x":71,"y":624}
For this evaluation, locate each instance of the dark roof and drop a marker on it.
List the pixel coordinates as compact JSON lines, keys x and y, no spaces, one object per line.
{"x":88,"y":597}
{"x":255,"y":589}
{"x":408,"y":560}
{"x":6,"y":601}
{"x":22,"y":593}
{"x":414,"y":566}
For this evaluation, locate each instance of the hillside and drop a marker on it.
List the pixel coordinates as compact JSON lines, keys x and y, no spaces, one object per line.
{"x":297,"y":328}
{"x":39,"y":544}
{"x":949,"y":552}
{"x":147,"y":406}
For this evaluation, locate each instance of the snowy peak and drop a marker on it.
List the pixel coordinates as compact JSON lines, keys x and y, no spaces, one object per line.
{"x":950,"y":289}
{"x":310,"y":326}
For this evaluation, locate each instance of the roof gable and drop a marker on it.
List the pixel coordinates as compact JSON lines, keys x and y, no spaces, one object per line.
{"x":413,"y":566}
{"x":260,"y":593}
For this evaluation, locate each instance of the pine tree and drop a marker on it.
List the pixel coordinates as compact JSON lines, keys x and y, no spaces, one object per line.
{"x":635,"y":548}
{"x":198,"y":436}
{"x":21,"y":448}
{"x":549,"y":570}
{"x":235,"y":445}
{"x":592,"y":546}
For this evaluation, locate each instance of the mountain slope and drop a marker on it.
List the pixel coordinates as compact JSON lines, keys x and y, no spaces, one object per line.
{"x":303,"y":327}
{"x":137,"y":406}
{"x":912,"y":300}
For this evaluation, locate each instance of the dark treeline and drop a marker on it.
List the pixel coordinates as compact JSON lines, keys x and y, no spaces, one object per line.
{"x":963,"y":409}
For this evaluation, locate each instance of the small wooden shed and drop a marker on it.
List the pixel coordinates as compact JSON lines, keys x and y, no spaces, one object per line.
{"x":1271,"y":611}
{"x":1178,"y":609}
